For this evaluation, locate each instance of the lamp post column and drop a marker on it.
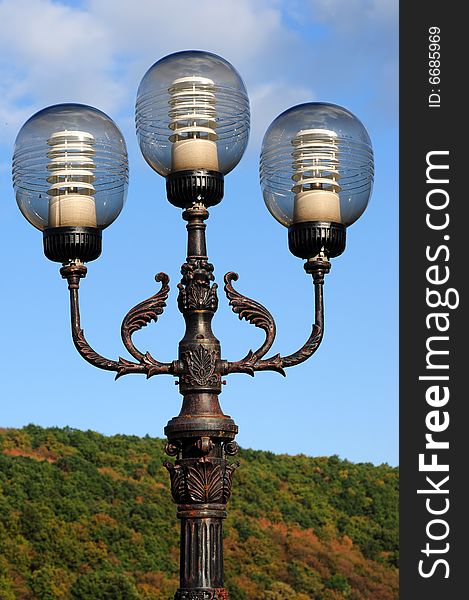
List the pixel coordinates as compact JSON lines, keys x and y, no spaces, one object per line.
{"x":201,"y":436}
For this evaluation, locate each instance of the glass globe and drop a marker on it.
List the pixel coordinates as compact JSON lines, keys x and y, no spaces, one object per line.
{"x":192,"y":112}
{"x":70,"y":168}
{"x":316,"y":165}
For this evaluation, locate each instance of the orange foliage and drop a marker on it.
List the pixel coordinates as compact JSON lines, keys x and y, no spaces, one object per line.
{"x":39,"y":454}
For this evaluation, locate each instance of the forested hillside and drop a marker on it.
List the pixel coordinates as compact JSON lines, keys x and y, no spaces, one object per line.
{"x":89,"y":517}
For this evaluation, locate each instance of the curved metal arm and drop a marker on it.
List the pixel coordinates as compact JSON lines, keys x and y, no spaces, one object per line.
{"x":278,"y":363}
{"x":254,"y":313}
{"x":132,"y":322}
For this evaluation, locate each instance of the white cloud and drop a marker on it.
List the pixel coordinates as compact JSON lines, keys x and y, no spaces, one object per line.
{"x":96,"y":54}
{"x":242,"y":28}
{"x":54,"y":51}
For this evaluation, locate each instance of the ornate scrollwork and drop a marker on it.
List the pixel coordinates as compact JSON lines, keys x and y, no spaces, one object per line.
{"x":172,"y":448}
{"x":254,"y":313}
{"x":142,"y":314}
{"x":200,"y":366}
{"x":231,"y":448}
{"x":252,"y":362}
{"x":228,"y":480}
{"x":86,"y":351}
{"x":201,"y":481}
{"x":309,"y":348}
{"x":132,"y":322}
{"x":195,"y":289}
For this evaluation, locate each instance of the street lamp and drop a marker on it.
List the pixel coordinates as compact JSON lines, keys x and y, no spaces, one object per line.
{"x":192,"y":118}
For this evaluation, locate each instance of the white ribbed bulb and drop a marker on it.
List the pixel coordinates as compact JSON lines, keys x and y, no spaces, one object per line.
{"x":71,"y":202}
{"x":316,"y":176}
{"x":193,"y":122}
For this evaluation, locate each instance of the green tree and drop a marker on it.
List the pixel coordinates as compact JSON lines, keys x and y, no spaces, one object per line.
{"x":105,"y":585}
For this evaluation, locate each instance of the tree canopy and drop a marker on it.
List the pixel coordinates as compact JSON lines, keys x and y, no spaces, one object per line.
{"x":86,"y":516}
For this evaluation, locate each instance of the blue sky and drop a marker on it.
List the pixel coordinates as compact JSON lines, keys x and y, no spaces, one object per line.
{"x":344,"y":400}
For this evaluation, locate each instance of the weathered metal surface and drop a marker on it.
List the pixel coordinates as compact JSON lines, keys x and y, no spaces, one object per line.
{"x":201,"y":437}
{"x":136,"y":318}
{"x":242,"y":305}
{"x":144,"y":313}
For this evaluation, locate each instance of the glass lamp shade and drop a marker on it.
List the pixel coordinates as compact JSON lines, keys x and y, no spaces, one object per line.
{"x":316,"y":166}
{"x":70,"y":168}
{"x":192,"y":112}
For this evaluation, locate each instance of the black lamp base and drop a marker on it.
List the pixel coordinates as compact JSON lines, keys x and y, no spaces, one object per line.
{"x":186,"y":188}
{"x":310,"y":238}
{"x":66,"y":244}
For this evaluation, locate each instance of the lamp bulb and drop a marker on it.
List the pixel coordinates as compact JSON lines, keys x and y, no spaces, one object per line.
{"x":316,"y":175}
{"x":193,"y":122}
{"x":71,"y":201}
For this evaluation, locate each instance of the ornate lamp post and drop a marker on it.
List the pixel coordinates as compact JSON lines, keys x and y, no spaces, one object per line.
{"x":192,"y":115}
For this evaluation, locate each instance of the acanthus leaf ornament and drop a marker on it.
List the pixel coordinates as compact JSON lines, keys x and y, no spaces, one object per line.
{"x":201,"y":481}
{"x":200,"y":364}
{"x":178,"y":481}
{"x":257,"y":315}
{"x":228,"y":480}
{"x":204,"y":482}
{"x":143,"y":313}
{"x":195,"y":290}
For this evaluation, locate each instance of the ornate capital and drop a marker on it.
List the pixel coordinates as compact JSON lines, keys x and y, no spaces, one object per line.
{"x":203,"y":481}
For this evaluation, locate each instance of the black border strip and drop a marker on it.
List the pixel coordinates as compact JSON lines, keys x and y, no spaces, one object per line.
{"x":434,"y":202}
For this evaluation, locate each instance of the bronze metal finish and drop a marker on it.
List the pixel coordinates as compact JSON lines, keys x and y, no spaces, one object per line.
{"x":201,"y":437}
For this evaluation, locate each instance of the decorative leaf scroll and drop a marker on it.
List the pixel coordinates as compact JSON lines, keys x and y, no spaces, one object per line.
{"x":142,"y":314}
{"x":254,"y":313}
{"x":201,"y":482}
{"x":178,"y":481}
{"x":246,"y":308}
{"x":146,"y":364}
{"x":204,"y":482}
{"x":257,"y":314}
{"x":228,"y":480}
{"x":199,"y":296}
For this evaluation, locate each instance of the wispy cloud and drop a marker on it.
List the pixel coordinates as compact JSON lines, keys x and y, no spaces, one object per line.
{"x":53,"y":53}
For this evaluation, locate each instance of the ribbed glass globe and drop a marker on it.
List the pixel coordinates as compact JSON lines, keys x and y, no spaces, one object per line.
{"x":192,"y":112}
{"x":316,"y":165}
{"x":70,"y":168}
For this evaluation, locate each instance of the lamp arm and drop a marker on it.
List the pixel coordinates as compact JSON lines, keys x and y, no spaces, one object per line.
{"x":253,"y":361}
{"x":73,"y":272}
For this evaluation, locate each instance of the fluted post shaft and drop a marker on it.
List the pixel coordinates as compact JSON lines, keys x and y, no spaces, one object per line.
{"x":201,"y":436}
